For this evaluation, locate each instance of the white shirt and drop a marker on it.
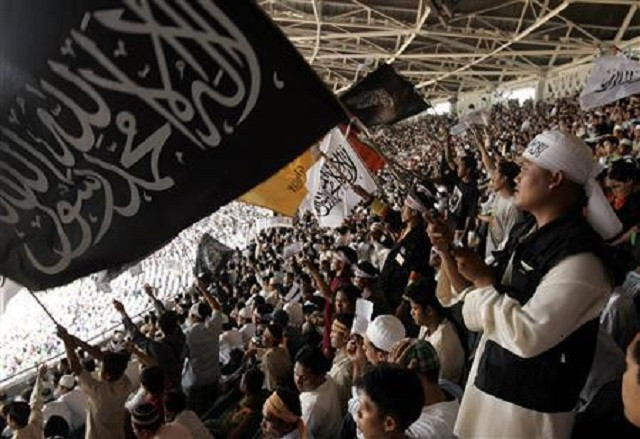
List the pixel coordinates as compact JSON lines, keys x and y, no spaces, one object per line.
{"x":77,"y":401}
{"x":321,"y":410}
{"x":342,"y":373}
{"x":572,"y":293}
{"x":446,"y":342}
{"x":229,"y":340}
{"x":247,"y":331}
{"x":436,"y":421}
{"x":56,"y":408}
{"x":503,"y":217}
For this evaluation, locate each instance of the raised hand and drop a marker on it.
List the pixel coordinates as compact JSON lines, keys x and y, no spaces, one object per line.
{"x":148,"y":289}
{"x":440,"y":233}
{"x":118,"y":306}
{"x":473,"y":268}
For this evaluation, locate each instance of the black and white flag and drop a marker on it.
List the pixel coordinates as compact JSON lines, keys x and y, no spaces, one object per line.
{"x":612,"y":78}
{"x":330,"y":180}
{"x":210,"y":256}
{"x":384,"y":97}
{"x":123,"y":122}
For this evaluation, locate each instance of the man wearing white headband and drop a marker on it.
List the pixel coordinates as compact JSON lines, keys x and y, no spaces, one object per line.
{"x":411,"y":251}
{"x":538,"y":305}
{"x":365,"y":277}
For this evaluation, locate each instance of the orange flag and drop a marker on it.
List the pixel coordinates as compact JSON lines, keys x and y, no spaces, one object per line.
{"x":284,"y":191}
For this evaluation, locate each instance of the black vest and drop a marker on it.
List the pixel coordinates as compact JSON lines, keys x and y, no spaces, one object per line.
{"x":550,"y":382}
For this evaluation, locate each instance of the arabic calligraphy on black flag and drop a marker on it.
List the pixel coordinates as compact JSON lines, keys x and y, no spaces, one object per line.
{"x":383,"y":97}
{"x":123,"y":122}
{"x":210,"y":256}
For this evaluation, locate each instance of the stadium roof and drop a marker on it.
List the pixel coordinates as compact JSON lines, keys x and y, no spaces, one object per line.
{"x":448,"y":46}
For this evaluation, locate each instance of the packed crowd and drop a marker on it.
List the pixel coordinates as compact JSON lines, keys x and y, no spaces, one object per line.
{"x":488,"y":289}
{"x":84,"y":306}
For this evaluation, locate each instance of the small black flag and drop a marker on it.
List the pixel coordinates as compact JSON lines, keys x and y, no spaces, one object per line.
{"x":383,"y":98}
{"x":123,"y":122}
{"x":210,"y":257}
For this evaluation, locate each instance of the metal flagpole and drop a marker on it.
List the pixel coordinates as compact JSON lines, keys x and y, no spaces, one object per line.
{"x":43,"y":307}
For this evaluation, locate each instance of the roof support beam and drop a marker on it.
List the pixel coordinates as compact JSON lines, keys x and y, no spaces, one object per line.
{"x":625,"y":24}
{"x":481,"y":56}
{"x":533,"y":27}
{"x":409,"y":39}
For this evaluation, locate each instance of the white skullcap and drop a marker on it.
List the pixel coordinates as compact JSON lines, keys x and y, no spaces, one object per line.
{"x":559,"y":151}
{"x":67,"y":381}
{"x":294,"y":311}
{"x":385,"y":331}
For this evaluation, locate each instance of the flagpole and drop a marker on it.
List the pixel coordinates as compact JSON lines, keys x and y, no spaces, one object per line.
{"x":43,"y":307}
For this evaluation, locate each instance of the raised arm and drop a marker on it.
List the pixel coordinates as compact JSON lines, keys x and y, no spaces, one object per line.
{"x":136,"y":335}
{"x":70,"y":350}
{"x":145,"y":359}
{"x":213,"y":302}
{"x":317,"y":277}
{"x":94,"y":351}
{"x":159,"y":307}
{"x":448,"y":154}
{"x":487,"y":161}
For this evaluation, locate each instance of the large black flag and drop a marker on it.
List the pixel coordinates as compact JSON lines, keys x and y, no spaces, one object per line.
{"x":383,"y":97}
{"x":123,"y":122}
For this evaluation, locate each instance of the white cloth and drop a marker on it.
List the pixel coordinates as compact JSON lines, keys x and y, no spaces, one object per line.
{"x":446,"y":342}
{"x":435,"y":422}
{"x":321,"y":410}
{"x":559,"y":151}
{"x":572,"y":293}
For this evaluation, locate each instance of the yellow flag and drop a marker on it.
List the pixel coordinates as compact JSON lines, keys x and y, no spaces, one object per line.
{"x":285,"y":190}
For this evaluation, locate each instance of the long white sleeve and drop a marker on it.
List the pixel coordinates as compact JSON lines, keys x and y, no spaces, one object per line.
{"x":572,"y":293}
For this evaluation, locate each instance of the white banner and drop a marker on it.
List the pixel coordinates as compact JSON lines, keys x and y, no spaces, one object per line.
{"x":612,"y":78}
{"x":459,"y":129}
{"x":330,"y":180}
{"x":478,"y":117}
{"x":273,"y":221}
{"x":292,"y":249}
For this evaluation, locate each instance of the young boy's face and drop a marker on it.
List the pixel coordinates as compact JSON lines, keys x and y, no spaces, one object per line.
{"x":371,"y":422}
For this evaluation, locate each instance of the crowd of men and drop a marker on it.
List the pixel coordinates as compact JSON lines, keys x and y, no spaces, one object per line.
{"x":488,"y":289}
{"x":85,"y":306}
